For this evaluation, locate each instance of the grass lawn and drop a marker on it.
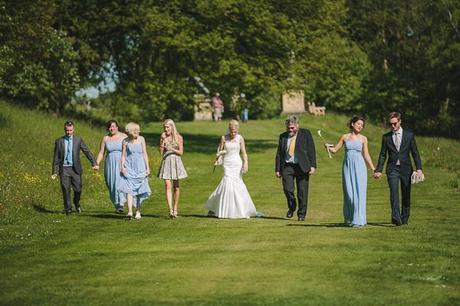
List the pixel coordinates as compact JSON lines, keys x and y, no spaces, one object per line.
{"x":98,"y":258}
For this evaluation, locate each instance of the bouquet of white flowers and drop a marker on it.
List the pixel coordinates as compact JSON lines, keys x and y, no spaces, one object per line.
{"x":416,"y":178}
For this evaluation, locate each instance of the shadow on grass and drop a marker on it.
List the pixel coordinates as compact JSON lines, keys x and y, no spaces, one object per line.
{"x":199,"y":143}
{"x":39,"y":208}
{"x":340,"y":225}
{"x":3,"y":121}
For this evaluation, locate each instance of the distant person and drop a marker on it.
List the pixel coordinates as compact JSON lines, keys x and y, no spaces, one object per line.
{"x":113,"y":143}
{"x":354,"y":172}
{"x":171,"y":168}
{"x":134,"y":169}
{"x":245,"y":115}
{"x":231,"y":198}
{"x":295,"y":161}
{"x":244,"y":106}
{"x":217,"y":107}
{"x":397,"y":144}
{"x":66,"y":163}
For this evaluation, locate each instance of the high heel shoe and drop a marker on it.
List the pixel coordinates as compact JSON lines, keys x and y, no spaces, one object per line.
{"x":175,"y":213}
{"x":171,"y":214}
{"x":129,"y":216}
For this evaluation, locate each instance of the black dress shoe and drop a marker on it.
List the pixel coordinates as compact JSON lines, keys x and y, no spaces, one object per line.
{"x":67,"y":212}
{"x":301,"y":219}
{"x":289,"y":214}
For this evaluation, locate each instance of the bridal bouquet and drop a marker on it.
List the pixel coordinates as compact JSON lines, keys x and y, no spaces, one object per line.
{"x":416,"y":178}
{"x":219,"y":157}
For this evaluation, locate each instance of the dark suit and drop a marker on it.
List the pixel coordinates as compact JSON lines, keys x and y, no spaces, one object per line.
{"x":70,"y":176}
{"x":306,"y":158}
{"x":399,"y":174}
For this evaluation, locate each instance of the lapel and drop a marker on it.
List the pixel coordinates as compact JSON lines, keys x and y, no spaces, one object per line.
{"x":404,"y":139}
{"x":390,"y":142}
{"x":74,"y":148}
{"x":285,"y":139}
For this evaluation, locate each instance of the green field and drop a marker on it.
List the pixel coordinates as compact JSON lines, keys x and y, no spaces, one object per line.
{"x":98,"y":258}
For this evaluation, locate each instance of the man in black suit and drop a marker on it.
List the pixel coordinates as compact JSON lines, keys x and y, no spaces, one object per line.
{"x":295,"y":159}
{"x":398,"y":143}
{"x":67,"y":161}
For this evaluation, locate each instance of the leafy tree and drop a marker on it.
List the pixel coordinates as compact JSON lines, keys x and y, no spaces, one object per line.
{"x":38,"y":65}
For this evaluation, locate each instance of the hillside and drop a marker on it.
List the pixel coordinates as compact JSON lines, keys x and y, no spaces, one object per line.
{"x":97,"y":258}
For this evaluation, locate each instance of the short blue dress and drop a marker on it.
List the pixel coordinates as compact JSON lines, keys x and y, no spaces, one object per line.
{"x":112,"y":172}
{"x":354,"y":183}
{"x":135,"y":181}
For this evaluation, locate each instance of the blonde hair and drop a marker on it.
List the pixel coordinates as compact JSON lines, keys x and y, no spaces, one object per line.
{"x":174,"y":134}
{"x":132,"y":127}
{"x":234,"y":122}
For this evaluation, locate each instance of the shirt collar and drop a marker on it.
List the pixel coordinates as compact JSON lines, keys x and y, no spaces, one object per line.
{"x":398,"y":131}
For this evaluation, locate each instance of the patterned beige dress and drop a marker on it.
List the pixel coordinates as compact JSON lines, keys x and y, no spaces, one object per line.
{"x":171,"y":167}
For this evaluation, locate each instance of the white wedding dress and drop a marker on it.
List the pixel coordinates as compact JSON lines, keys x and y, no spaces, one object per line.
{"x":231,"y":198}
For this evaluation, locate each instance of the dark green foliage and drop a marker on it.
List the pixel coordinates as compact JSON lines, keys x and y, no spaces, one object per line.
{"x":369,"y":57}
{"x":414,"y":50}
{"x":38,"y":65}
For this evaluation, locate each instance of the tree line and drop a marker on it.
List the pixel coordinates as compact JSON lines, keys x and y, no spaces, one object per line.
{"x":352,"y":56}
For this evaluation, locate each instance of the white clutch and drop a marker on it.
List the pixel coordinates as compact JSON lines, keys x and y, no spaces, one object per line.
{"x":416,"y":178}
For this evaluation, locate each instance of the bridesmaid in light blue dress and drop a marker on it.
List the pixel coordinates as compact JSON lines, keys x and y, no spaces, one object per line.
{"x":135,"y":170}
{"x":354,"y":172}
{"x":112,"y":143}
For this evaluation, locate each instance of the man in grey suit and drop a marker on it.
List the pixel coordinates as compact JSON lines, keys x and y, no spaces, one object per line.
{"x":397,"y":144}
{"x":295,"y":161}
{"x":66,"y":162}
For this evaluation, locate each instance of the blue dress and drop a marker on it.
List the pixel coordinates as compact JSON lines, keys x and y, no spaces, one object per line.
{"x":112,"y":172}
{"x":135,"y":181}
{"x":354,"y":183}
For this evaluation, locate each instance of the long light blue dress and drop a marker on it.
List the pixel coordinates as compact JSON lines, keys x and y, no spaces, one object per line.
{"x":135,"y":180}
{"x":112,"y":172}
{"x":354,"y":183}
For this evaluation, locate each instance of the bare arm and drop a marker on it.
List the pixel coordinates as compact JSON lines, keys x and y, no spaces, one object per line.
{"x":161,"y":147}
{"x":245,"y":155}
{"x":101,"y":151}
{"x":366,"y":155}
{"x":180,"y":144}
{"x":339,"y":145}
{"x":123,"y":157}
{"x":146,"y":157}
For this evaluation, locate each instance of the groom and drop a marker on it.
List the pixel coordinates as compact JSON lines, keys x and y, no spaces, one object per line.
{"x":67,"y":161}
{"x":398,"y":143}
{"x":295,"y":160}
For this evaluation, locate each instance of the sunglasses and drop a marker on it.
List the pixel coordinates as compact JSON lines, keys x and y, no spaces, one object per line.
{"x":395,"y":123}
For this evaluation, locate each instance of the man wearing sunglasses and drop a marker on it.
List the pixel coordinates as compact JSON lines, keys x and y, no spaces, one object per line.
{"x":397,"y":144}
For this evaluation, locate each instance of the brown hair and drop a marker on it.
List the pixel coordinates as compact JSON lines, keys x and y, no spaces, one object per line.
{"x":394,"y":115}
{"x":109,"y":123}
{"x":355,"y":119}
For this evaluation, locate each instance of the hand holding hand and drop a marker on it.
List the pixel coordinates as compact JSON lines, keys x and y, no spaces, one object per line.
{"x":377,"y":175}
{"x":96,"y":167}
{"x":147,"y":172}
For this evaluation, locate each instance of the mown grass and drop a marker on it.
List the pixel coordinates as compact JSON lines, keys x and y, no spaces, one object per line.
{"x":97,"y":258}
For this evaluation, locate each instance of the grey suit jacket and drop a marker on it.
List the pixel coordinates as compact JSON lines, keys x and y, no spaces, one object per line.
{"x":59,"y":154}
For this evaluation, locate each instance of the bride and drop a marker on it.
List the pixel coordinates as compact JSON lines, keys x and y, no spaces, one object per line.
{"x":231,"y":198}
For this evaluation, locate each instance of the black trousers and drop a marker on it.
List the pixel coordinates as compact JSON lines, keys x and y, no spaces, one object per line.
{"x":70,"y":180}
{"x":291,"y":173}
{"x":396,"y":177}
